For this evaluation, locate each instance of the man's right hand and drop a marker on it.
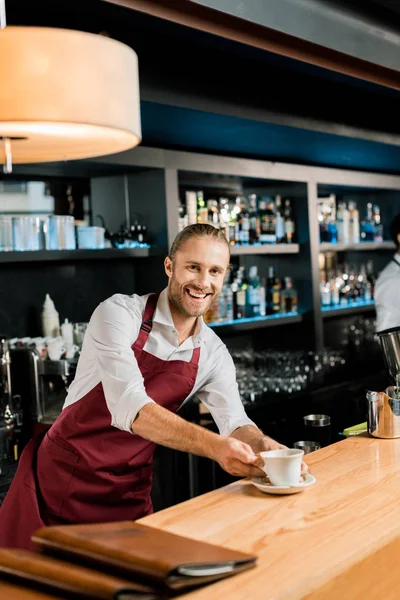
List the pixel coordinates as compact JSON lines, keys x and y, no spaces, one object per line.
{"x":237,"y":458}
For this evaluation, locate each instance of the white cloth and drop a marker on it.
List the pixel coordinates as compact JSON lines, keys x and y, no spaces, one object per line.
{"x":387,"y":296}
{"x":107,"y":357}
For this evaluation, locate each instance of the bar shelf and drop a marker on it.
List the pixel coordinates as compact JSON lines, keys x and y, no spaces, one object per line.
{"x":340,"y":310}
{"x":361,"y":246}
{"x":265,"y":249}
{"x":72,"y":255}
{"x":255,"y":323}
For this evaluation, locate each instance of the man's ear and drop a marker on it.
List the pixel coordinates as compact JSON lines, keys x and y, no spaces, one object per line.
{"x":168,"y":266}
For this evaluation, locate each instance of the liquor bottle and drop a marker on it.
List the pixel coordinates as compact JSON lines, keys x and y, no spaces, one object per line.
{"x":191,"y":207}
{"x":202,"y":211}
{"x":354,"y":224}
{"x":183,"y":219}
{"x":343,"y":224}
{"x":280,"y":223}
{"x":254,"y":232}
{"x":289,"y":223}
{"x":264,"y":221}
{"x":272,"y":221}
{"x":288,"y":297}
{"x":378,"y":223}
{"x":253,"y":293}
{"x":241,"y":301}
{"x":212,"y":212}
{"x":273,"y":292}
{"x":244,"y":223}
{"x":325,"y":290}
{"x":229,"y":303}
{"x":224,"y":216}
{"x":368,"y":225}
{"x":332,"y":236}
{"x":263,"y":298}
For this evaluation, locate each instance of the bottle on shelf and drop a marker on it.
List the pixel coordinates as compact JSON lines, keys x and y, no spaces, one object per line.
{"x":354,"y":225}
{"x":368,"y":225}
{"x":376,"y":216}
{"x":254,"y":232}
{"x":50,"y":319}
{"x":241,"y":294}
{"x":263,"y":297}
{"x":288,"y":297}
{"x":244,"y":223}
{"x":273,"y":292}
{"x":191,"y":207}
{"x":343,"y":223}
{"x":253,"y":293}
{"x":202,"y":210}
{"x":280,"y":222}
{"x":289,"y":223}
{"x":267,"y":221}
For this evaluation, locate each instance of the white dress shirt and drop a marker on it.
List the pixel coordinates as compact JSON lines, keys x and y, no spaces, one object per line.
{"x":387,"y":296}
{"x":107,"y":357}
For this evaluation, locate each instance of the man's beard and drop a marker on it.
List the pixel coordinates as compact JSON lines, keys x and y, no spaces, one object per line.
{"x":178,"y":296}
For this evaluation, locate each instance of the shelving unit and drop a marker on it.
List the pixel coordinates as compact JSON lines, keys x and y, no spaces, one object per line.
{"x":73,"y":255}
{"x":151,"y":187}
{"x":255,"y":323}
{"x":343,"y":310}
{"x":361,"y":247}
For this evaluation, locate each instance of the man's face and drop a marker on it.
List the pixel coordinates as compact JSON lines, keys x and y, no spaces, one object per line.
{"x":196,"y":275}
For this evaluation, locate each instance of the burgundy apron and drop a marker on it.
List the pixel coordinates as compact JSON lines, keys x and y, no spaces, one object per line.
{"x":85,"y":470}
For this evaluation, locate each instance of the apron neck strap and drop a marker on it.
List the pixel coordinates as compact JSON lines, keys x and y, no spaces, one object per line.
{"x":147,"y":322}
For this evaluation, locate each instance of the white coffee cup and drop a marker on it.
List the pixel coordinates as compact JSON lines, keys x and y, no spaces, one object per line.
{"x":283,"y":467}
{"x":55,"y":348}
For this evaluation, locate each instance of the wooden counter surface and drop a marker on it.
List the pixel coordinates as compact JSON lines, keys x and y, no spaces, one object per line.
{"x":325,"y":543}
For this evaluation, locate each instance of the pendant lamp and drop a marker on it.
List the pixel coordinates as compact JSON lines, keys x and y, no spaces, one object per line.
{"x":65,"y":95}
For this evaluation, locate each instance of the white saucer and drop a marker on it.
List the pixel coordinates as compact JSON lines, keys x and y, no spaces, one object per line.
{"x":264,"y":485}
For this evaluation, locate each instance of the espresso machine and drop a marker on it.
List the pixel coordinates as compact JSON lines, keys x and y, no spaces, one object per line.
{"x":10,"y":410}
{"x":384,"y":407}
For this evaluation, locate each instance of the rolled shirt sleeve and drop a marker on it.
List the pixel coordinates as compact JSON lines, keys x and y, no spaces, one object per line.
{"x":113,"y":329}
{"x":221,"y":395}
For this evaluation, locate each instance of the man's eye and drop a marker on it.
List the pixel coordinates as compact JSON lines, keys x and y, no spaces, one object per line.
{"x":193,"y":267}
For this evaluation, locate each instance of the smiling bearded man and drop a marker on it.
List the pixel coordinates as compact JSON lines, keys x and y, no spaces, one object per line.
{"x":142,"y":358}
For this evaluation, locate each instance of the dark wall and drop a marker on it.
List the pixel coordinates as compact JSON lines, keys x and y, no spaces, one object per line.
{"x":76,"y":288}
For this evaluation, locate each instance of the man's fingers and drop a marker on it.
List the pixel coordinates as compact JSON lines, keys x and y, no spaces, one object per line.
{"x":258,"y":462}
{"x":304,"y":468}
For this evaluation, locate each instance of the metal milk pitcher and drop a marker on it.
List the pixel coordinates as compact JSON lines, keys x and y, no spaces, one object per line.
{"x":390,"y":345}
{"x":384,"y":413}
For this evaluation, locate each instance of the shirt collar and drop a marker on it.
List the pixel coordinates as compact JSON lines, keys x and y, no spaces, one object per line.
{"x":163,"y":316}
{"x":396,"y":259}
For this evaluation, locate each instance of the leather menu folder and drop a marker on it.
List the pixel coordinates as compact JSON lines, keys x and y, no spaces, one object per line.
{"x":33,"y":569}
{"x":158,"y":557}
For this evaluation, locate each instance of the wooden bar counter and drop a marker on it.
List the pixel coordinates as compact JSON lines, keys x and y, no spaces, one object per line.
{"x":337,"y":539}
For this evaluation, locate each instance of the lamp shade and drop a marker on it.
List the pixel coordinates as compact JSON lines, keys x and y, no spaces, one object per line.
{"x":66,"y":95}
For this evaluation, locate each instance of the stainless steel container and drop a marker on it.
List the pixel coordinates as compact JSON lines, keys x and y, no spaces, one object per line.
{"x":307,"y":446}
{"x":317,"y":428}
{"x":390,"y":345}
{"x":383,"y":413}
